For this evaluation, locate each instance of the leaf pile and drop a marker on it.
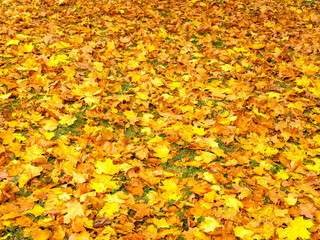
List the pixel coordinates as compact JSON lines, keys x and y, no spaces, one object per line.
{"x":159,"y":119}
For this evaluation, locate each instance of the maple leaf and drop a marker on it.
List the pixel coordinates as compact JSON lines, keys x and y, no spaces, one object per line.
{"x":75,"y":209}
{"x":231,"y":201}
{"x":171,"y":189}
{"x":50,"y":124}
{"x":67,"y":119}
{"x":296,"y":228}
{"x":307,"y":210}
{"x":198,"y":130}
{"x":161,"y":223}
{"x":33,"y":153}
{"x":27,"y":47}
{"x":36,"y":211}
{"x":243,"y":233}
{"x":12,"y":42}
{"x":103,"y":182}
{"x":107,"y":167}
{"x":209,"y":224}
{"x":109,"y":210}
{"x":162,"y":152}
{"x":157,"y":82}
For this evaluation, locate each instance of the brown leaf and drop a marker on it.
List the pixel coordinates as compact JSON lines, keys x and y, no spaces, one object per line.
{"x":125,"y":39}
{"x":307,"y":209}
{"x":100,"y":222}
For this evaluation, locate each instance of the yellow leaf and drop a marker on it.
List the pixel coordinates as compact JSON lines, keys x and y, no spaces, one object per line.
{"x":281,"y":212}
{"x":310,"y":69}
{"x":315,"y":168}
{"x":201,"y":235}
{"x":209,"y":224}
{"x":171,"y":189}
{"x":161,"y":223}
{"x":231,"y":201}
{"x":75,"y":209}
{"x":111,"y":46}
{"x":151,"y":48}
{"x":107,"y":167}
{"x":209,"y":177}
{"x":50,"y":124}
{"x":29,"y":172}
{"x":67,"y":119}
{"x":78,"y":178}
{"x":243,"y":233}
{"x":174,"y":85}
{"x":23,"y":179}
{"x":255,"y":110}
{"x":10,"y":215}
{"x":194,"y":1}
{"x":291,"y":199}
{"x":142,"y":57}
{"x":29,"y":64}
{"x":5,"y":96}
{"x":206,"y":157}
{"x":92,"y":101}
{"x":39,"y":234}
{"x":98,"y":66}
{"x":28,"y":47}
{"x":33,"y":171}
{"x":241,"y":49}
{"x":304,"y":81}
{"x":199,"y":130}
{"x":283,"y":175}
{"x":12,"y":42}
{"x":36,"y":211}
{"x":225,"y":114}
{"x":316,"y":89}
{"x":269,"y":151}
{"x":227,"y":67}
{"x":65,"y":44}
{"x":142,"y":96}
{"x":53,"y":62}
{"x":33,"y":152}
{"x":273,"y":95}
{"x":212,"y":142}
{"x":227,"y":121}
{"x":269,"y":24}
{"x":35,"y":117}
{"x":49,"y":135}
{"x":157,"y":81}
{"x":258,"y":46}
{"x":130,"y":114}
{"x":163,"y":33}
{"x":63,"y":58}
{"x":103,"y":182}
{"x":187,"y":136}
{"x":298,"y":105}
{"x":162,"y":152}
{"x":296,"y":228}
{"x":219,"y":152}
{"x":109,"y":210}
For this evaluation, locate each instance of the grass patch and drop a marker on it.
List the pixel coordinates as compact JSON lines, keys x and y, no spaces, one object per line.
{"x":72,"y":129}
{"x":182,"y":171}
{"x":14,"y":233}
{"x":187,"y":153}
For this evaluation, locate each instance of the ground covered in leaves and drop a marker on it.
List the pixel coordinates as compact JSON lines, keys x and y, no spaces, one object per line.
{"x":127,"y":119}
